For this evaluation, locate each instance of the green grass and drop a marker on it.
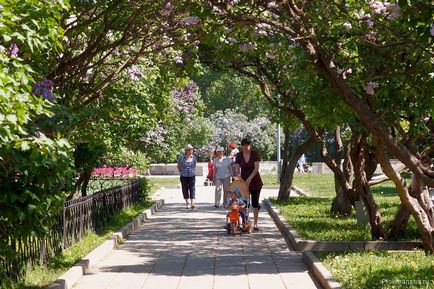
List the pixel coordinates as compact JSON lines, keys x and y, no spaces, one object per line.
{"x":270,"y":179}
{"x":157,"y":183}
{"x":380,"y":269}
{"x":40,"y":277}
{"x":312,"y":219}
{"x":318,"y":185}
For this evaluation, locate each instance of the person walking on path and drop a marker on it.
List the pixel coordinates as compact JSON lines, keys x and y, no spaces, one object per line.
{"x":222,"y":176}
{"x":248,"y":161}
{"x":186,"y":168}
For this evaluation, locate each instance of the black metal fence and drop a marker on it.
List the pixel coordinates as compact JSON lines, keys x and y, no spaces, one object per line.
{"x":79,"y":216}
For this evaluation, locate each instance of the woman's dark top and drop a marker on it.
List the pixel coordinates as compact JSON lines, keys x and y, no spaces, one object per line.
{"x":247,"y":169}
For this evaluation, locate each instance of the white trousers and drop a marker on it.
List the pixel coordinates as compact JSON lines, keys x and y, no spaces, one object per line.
{"x":221,"y":184}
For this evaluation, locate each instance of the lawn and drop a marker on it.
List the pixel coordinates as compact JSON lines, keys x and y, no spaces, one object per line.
{"x":312,"y":219}
{"x":380,"y":269}
{"x":318,"y":185}
{"x":270,"y":180}
{"x":357,"y":269}
{"x":157,"y":183}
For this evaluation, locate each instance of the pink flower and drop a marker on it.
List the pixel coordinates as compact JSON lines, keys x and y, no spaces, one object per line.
{"x":369,"y":87}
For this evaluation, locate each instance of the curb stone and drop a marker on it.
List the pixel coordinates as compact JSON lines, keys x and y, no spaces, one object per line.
{"x":321,"y":273}
{"x":71,"y":277}
{"x":299,"y":244}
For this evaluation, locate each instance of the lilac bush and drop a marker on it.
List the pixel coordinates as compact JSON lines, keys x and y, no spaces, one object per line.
{"x":231,"y":126}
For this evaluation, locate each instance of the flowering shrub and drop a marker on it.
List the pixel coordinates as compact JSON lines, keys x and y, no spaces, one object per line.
{"x":111,"y":172}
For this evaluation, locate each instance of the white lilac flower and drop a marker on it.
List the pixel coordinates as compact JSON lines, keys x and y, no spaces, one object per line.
{"x":347,"y":25}
{"x":272,"y":5}
{"x":216,"y":10}
{"x":371,"y":36}
{"x":369,"y":87}
{"x":378,"y":6}
{"x":179,"y":60}
{"x":344,"y":72}
{"x":270,"y":55}
{"x":71,"y":20}
{"x":167,"y":10}
{"x":135,"y":73}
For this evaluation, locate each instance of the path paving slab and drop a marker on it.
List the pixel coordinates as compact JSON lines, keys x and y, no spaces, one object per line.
{"x":179,"y":248}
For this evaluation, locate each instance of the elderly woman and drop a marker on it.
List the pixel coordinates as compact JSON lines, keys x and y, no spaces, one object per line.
{"x":186,"y":167}
{"x":222,"y":176}
{"x":248,"y":169}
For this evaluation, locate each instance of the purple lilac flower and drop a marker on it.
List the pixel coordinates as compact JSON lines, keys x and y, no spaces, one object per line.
{"x":432,"y":30}
{"x":135,"y":73}
{"x":369,"y":87}
{"x":246,"y":47}
{"x":190,"y":21}
{"x":391,"y":10}
{"x":14,"y":50}
{"x":43,"y":88}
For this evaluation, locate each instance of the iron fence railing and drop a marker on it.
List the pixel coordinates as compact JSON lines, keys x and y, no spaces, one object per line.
{"x":79,"y":216}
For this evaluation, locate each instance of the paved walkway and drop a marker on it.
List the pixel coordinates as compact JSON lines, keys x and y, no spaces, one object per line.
{"x":183,"y":248}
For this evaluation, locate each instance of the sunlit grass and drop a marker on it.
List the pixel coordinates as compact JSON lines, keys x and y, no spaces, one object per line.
{"x":312,"y":219}
{"x":380,"y":269}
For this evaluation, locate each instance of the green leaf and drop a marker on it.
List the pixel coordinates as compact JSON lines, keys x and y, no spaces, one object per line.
{"x":12,"y":118}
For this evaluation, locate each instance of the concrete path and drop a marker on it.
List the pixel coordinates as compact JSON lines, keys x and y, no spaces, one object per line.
{"x":183,"y":248}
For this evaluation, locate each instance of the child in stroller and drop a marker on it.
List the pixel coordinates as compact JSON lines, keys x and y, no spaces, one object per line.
{"x":238,"y":215}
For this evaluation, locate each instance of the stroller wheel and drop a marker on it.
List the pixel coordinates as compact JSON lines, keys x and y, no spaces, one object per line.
{"x":233,"y":228}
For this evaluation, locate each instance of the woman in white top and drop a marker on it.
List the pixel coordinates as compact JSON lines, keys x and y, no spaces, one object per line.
{"x":222,"y":176}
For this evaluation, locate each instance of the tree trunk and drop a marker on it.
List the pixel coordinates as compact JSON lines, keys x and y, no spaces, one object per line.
{"x":399,"y":222}
{"x":285,"y":152}
{"x":361,"y":186}
{"x":86,"y":179}
{"x":425,"y":228}
{"x":286,"y":180}
{"x":341,"y":205}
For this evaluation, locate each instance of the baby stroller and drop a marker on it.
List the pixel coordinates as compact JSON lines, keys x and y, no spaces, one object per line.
{"x":238,"y":215}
